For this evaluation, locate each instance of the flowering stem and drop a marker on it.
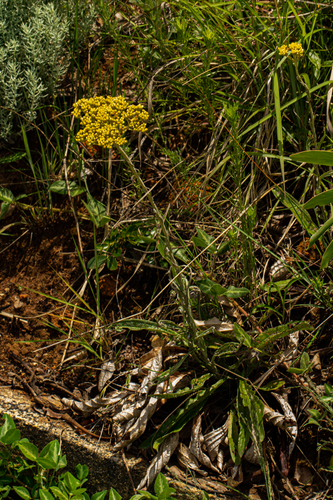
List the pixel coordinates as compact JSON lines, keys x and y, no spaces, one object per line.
{"x":106,"y":229}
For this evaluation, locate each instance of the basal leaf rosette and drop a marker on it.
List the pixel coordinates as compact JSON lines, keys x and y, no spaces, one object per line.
{"x":105,"y":120}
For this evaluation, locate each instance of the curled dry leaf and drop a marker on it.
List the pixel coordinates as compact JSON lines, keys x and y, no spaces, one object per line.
{"x":251,"y":455}
{"x":291,"y":352}
{"x":90,"y":406}
{"x":156,"y":367}
{"x":216,"y":438}
{"x":197,"y":440}
{"x":229,"y":308}
{"x":130,"y":409}
{"x":107,"y":370}
{"x":222,"y":327}
{"x":188,"y":460}
{"x":141,"y":423}
{"x":316,"y":362}
{"x":236,"y":477}
{"x":290,"y":418}
{"x":303,"y":473}
{"x":162,"y":458}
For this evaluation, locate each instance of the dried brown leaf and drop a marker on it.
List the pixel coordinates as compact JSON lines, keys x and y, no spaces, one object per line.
{"x":107,"y":370}
{"x":162,"y":458}
{"x":187,"y":459}
{"x":196,"y":444}
{"x":222,"y":327}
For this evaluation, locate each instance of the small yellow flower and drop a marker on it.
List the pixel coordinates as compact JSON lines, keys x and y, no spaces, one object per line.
{"x":107,"y":119}
{"x":283,"y":50}
{"x":296,"y":49}
{"x":293,"y":49}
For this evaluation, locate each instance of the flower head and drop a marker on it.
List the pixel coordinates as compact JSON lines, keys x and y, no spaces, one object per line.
{"x":293,"y":49}
{"x":106,"y":119}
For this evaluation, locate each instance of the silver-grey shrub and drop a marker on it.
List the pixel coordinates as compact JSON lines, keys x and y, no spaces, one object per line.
{"x":33,"y":57}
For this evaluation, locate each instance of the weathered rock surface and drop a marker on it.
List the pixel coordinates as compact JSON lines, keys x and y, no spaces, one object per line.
{"x":106,"y":469}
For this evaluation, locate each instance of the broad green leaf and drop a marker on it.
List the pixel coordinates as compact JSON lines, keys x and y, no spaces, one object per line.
{"x":272,"y":334}
{"x":6,"y":195}
{"x":45,"y":495}
{"x":100,"y":495}
{"x":161,"y":247}
{"x":161,"y":484}
{"x":223,"y":248}
{"x":327,"y":257}
{"x":22,"y":492}
{"x":297,"y":371}
{"x":51,"y":451}
{"x":59,"y":493}
{"x":29,"y":450}
{"x":320,"y":200}
{"x":243,"y":437}
{"x":315,"y":414}
{"x":209,"y":287}
{"x":4,"y":209}
{"x":321,"y":231}
{"x":315,"y":59}
{"x":179,"y":253}
{"x":71,"y":482}
{"x":279,"y":285}
{"x":114,"y":495}
{"x":96,"y":262}
{"x":305,"y":361}
{"x":234,"y":293}
{"x":62,"y":461}
{"x":143,"y":494}
{"x":111,"y":263}
{"x":11,"y":436}
{"x":204,"y":240}
{"x":242,"y":336}
{"x":46,"y":463}
{"x":82,"y":471}
{"x":97,"y":211}
{"x":8,"y":424}
{"x":60,"y":187}
{"x":314,"y":157}
{"x":166,"y":494}
{"x":11,"y":158}
{"x":233,"y":437}
{"x":273,"y":385}
{"x":312,"y":421}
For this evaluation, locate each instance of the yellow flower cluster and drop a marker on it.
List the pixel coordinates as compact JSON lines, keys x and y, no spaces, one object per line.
{"x":294,"y":49}
{"x":106,"y":119}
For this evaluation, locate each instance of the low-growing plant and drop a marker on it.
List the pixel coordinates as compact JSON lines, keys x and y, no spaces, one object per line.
{"x":31,"y":474}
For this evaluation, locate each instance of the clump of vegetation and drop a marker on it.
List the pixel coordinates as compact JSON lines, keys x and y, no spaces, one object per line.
{"x":215,"y":190}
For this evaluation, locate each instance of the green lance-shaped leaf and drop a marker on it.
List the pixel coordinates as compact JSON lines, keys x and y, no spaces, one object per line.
{"x":314,"y":157}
